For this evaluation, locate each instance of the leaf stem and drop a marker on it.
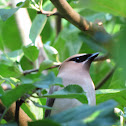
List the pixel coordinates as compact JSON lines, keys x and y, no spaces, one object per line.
{"x":6,"y":109}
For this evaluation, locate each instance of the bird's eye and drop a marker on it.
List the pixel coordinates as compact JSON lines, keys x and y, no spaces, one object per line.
{"x":80,"y":58}
{"x":77,"y":60}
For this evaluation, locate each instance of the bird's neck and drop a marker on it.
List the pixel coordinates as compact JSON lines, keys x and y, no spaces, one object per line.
{"x":82,"y":79}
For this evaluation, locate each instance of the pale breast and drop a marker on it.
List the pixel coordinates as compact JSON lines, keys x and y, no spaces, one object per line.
{"x":64,"y":104}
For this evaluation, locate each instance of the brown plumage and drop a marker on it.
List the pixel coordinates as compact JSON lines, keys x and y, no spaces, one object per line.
{"x":74,"y":70}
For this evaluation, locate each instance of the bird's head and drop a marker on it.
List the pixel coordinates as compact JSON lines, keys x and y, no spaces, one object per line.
{"x":77,"y":63}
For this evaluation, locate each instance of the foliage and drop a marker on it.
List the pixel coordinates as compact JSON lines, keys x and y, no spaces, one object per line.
{"x":16,"y":57}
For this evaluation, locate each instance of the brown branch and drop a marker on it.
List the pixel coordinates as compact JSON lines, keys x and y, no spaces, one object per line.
{"x":17,"y":109}
{"x":73,"y":17}
{"x":49,"y":13}
{"x":36,"y":70}
{"x":30,"y":71}
{"x":13,"y":112}
{"x":102,"y":58}
{"x":58,"y":25}
{"x":108,"y":75}
{"x":10,"y":115}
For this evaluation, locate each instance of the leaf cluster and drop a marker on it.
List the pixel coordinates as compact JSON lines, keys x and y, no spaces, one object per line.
{"x":15,"y":58}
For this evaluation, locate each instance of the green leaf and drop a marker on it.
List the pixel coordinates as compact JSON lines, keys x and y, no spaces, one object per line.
{"x":69,"y":41}
{"x":12,"y":56}
{"x":51,"y":35}
{"x":37,"y":26}
{"x":31,"y":52}
{"x":71,"y":91}
{"x":51,"y":52}
{"x":6,"y":13}
{"x":102,"y":114}
{"x":96,"y":42}
{"x":48,"y":80}
{"x":41,"y":106}
{"x":101,"y":69}
{"x":30,"y":78}
{"x":119,"y":52}
{"x":45,"y":64}
{"x":26,"y":109}
{"x":118,"y":80}
{"x":1,"y":37}
{"x":26,"y":64}
{"x":1,"y":91}
{"x":11,"y":34}
{"x":3,"y":122}
{"x":43,"y":123}
{"x":114,"y":7}
{"x":116,"y":94}
{"x":25,"y":4}
{"x":9,"y":97}
{"x":9,"y":71}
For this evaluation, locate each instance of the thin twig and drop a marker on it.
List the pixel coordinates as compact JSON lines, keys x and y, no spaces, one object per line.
{"x":20,"y":102}
{"x":49,"y":13}
{"x":53,"y":67}
{"x":108,"y":75}
{"x":102,"y":58}
{"x":30,"y":71}
{"x":3,"y":114}
{"x":36,"y":70}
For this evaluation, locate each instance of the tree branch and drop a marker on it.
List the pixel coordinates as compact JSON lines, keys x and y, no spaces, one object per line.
{"x":58,"y":25}
{"x":10,"y":115}
{"x":108,"y":75}
{"x":49,"y":13}
{"x":73,"y":17}
{"x":18,"y":105}
{"x":36,"y":70}
{"x":102,"y":58}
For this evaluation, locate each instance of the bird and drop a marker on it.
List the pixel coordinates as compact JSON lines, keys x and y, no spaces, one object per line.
{"x":74,"y":70}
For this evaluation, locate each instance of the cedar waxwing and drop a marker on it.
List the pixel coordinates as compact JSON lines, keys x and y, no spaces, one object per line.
{"x":74,"y":70}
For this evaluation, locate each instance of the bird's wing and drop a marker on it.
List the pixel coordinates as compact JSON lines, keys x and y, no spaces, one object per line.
{"x":50,"y":101}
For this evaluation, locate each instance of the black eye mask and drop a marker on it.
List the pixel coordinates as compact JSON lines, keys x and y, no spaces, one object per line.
{"x":80,"y":59}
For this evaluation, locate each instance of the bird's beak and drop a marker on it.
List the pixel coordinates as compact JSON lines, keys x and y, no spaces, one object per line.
{"x":90,"y":59}
{"x":93,"y":56}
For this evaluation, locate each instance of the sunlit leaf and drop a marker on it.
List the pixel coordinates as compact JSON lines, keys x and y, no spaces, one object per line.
{"x":26,"y":109}
{"x":13,"y":56}
{"x":41,"y":106}
{"x":37,"y":26}
{"x":9,"y":71}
